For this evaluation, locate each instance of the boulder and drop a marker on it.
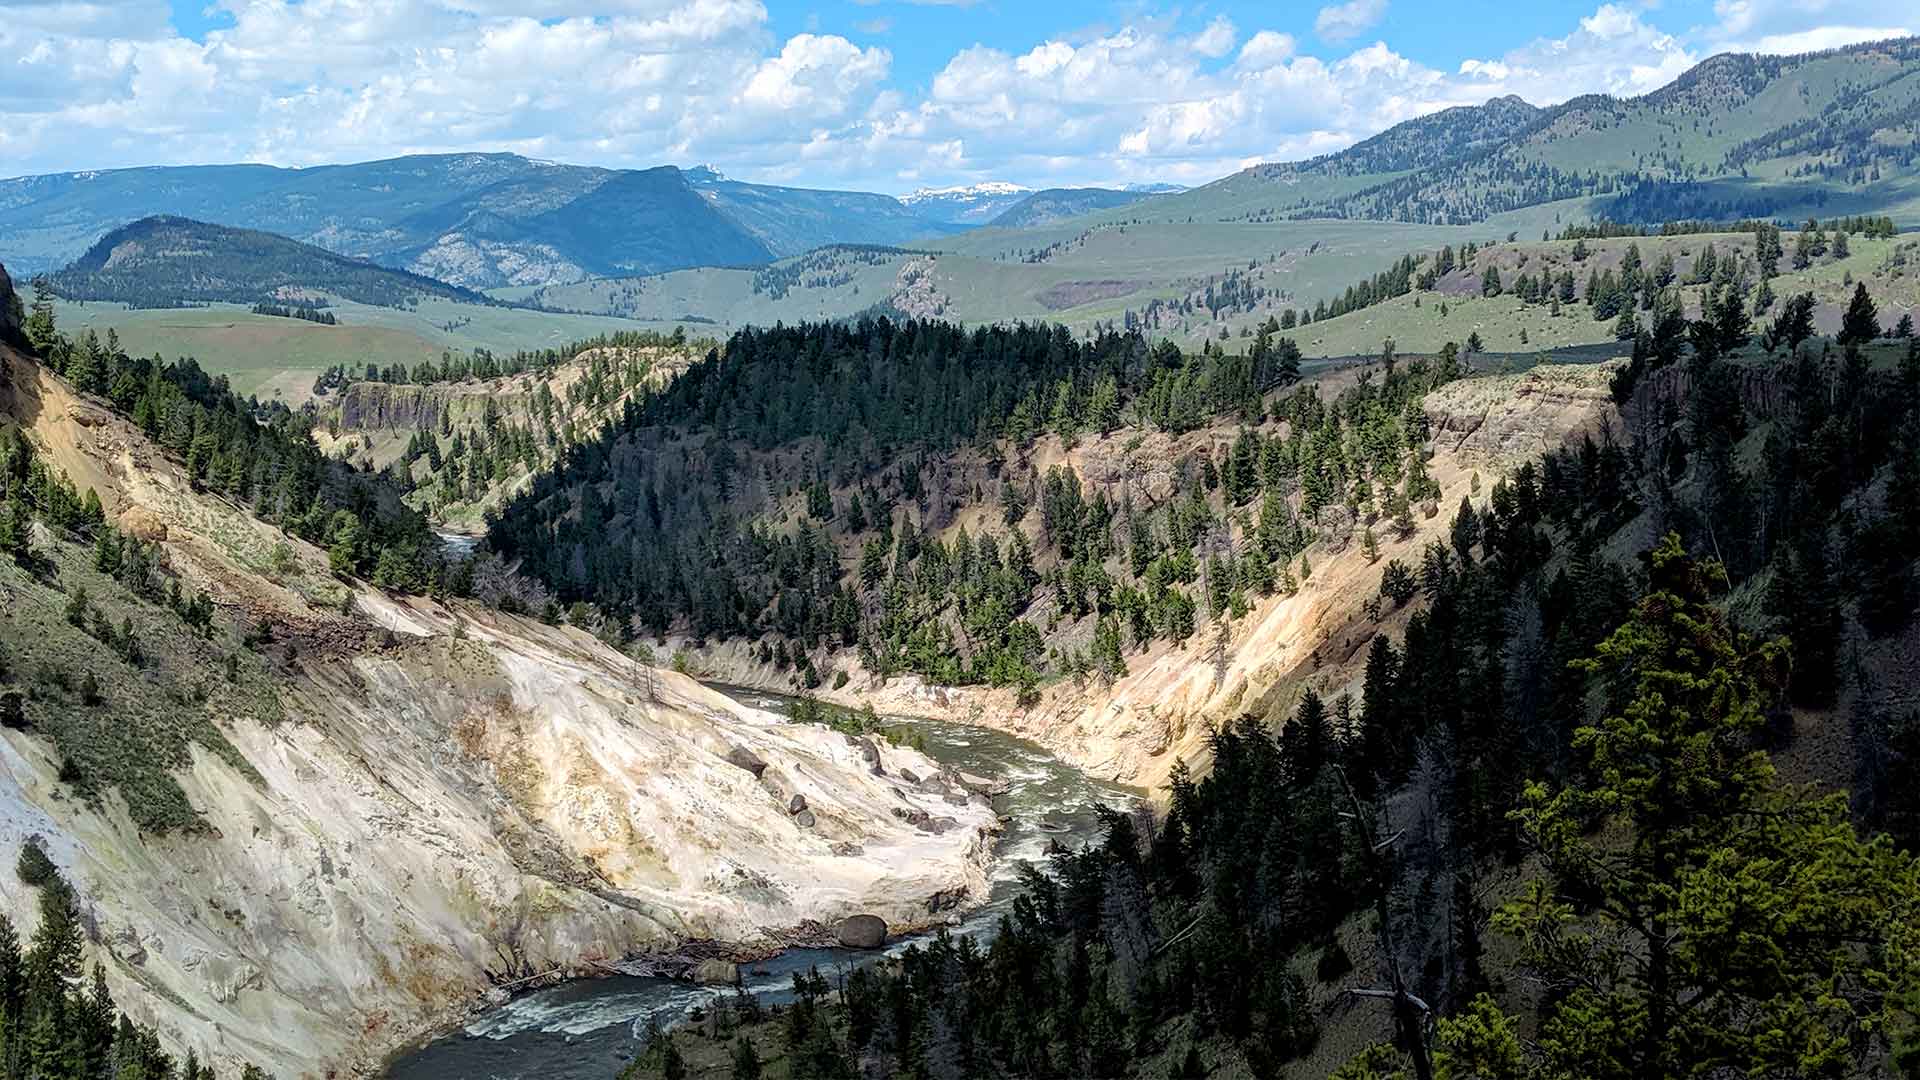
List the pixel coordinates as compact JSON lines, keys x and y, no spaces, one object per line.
{"x":717,"y":973}
{"x":796,"y":804}
{"x":861,"y":931}
{"x":747,"y":760}
{"x":143,"y":524}
{"x":804,"y":819}
{"x":981,"y":785}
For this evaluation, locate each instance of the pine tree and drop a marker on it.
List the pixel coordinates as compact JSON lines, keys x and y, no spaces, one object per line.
{"x":1627,"y":327}
{"x":746,"y":1060}
{"x":1861,"y":323}
{"x":1722,"y":910}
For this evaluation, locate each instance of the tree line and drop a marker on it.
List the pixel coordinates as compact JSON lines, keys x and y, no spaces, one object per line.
{"x":260,"y":455}
{"x":484,"y":364}
{"x":673,"y":518}
{"x":1592,"y":737}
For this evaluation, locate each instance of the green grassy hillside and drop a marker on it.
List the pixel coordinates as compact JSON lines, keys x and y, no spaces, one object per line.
{"x":164,"y":262}
{"x":1454,"y":309}
{"x":278,"y":358}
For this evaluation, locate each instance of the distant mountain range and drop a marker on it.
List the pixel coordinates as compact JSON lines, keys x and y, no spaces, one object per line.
{"x":477,"y":220}
{"x":1823,"y":134}
{"x":973,"y":204}
{"x":789,"y":221}
{"x":1828,"y":133}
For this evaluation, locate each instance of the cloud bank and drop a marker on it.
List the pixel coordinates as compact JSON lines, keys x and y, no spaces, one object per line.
{"x":106,"y":83}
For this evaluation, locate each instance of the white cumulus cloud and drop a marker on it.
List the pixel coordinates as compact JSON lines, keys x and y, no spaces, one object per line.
{"x":1339,"y":22}
{"x":1159,"y":96}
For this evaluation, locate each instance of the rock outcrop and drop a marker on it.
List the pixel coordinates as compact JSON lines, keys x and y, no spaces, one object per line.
{"x":1499,"y":418}
{"x":861,"y":932}
{"x":12,"y":313}
{"x":717,"y":973}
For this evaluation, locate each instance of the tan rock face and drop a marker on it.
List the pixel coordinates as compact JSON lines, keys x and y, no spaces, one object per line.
{"x":443,"y":806}
{"x":458,"y":806}
{"x":1513,"y":417}
{"x":143,"y":524}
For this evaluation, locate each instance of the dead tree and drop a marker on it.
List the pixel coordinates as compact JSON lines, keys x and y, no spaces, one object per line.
{"x":1410,"y":1013}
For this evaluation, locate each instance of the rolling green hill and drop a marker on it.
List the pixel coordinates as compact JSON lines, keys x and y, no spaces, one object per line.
{"x":1059,"y":204}
{"x":278,"y":358}
{"x":166,"y":262}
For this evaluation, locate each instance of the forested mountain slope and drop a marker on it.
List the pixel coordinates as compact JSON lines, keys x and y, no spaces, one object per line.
{"x":458,"y":438}
{"x":836,"y":536}
{"x":1738,"y":136}
{"x":298,"y":821}
{"x":1468,"y":703}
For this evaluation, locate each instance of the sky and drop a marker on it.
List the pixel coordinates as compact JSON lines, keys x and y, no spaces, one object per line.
{"x":880,"y":95}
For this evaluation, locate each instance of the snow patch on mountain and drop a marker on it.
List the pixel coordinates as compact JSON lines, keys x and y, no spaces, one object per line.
{"x":986,"y":189}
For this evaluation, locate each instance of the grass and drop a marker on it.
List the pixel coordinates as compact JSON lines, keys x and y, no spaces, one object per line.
{"x":1421,"y":322}
{"x":138,"y":730}
{"x":278,"y":358}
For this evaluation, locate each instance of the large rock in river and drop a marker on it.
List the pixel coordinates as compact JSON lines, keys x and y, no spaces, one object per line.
{"x":717,"y":973}
{"x":862,"y":931}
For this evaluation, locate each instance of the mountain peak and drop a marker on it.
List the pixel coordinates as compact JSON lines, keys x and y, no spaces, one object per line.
{"x":986,"y":189}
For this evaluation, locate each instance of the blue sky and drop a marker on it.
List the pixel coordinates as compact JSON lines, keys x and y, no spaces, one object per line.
{"x":884,"y":95}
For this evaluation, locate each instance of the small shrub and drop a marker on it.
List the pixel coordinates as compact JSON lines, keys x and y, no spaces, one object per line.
{"x":51,"y":676}
{"x":1333,"y":963}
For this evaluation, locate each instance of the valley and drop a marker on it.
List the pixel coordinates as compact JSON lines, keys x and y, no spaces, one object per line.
{"x":288,"y":823}
{"x":1443,"y":608}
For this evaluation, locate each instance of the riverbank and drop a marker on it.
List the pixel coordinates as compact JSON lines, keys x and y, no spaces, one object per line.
{"x":586,"y":1028}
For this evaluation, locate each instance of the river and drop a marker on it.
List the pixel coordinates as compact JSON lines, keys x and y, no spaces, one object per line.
{"x":585,"y":1030}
